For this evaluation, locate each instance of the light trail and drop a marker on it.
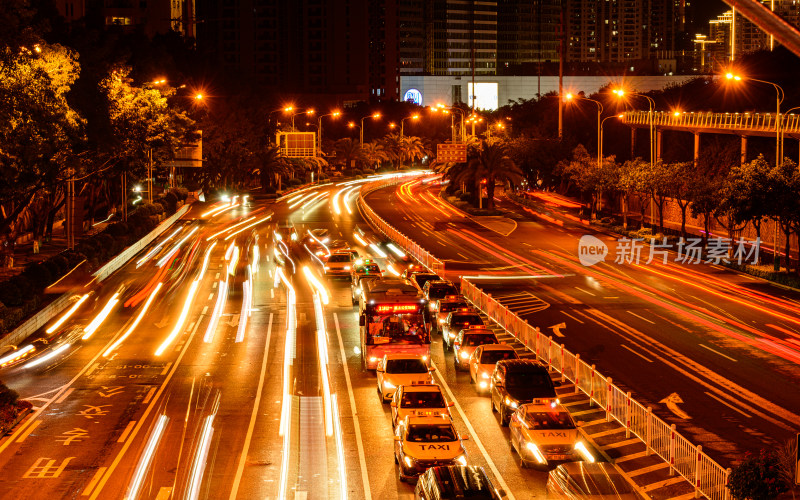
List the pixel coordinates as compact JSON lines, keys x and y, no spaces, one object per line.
{"x":157,"y":248}
{"x":229,"y":228}
{"x":219,"y":306}
{"x":317,"y":285}
{"x":175,"y":248}
{"x":256,"y":257}
{"x":339,"y":448}
{"x":205,"y":261}
{"x":147,"y":458}
{"x":348,"y":200}
{"x":246,"y":308}
{"x":314,"y":200}
{"x":17,"y":354}
{"x":225,"y":209}
{"x":360,"y":239}
{"x":200,"y":459}
{"x":392,"y":270}
{"x":395,"y":250}
{"x":234,"y":261}
{"x":214,"y":210}
{"x":375,"y":248}
{"x":335,"y":201}
{"x":319,"y":241}
{"x":263,"y":219}
{"x":322,"y":349}
{"x":135,"y":322}
{"x":288,"y":356}
{"x":179,"y":325}
{"x":47,"y":357}
{"x":101,"y":316}
{"x":301,"y":200}
{"x":55,"y":326}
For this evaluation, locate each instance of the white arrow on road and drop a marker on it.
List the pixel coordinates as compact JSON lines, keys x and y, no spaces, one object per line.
{"x":557,"y":329}
{"x":672,"y":401}
{"x":234,"y":320}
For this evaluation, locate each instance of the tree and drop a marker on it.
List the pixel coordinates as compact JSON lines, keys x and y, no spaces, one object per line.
{"x":348,"y":151}
{"x":745,"y":193}
{"x":634,"y":181}
{"x":491,"y":165}
{"x":784,"y":196}
{"x":271,"y":166}
{"x":757,"y":478}
{"x":373,"y":154}
{"x":683,"y":176}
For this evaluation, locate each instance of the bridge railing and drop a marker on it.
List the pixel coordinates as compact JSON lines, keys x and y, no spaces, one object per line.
{"x":708,"y":477}
{"x":413,"y":248}
{"x":762,"y":122}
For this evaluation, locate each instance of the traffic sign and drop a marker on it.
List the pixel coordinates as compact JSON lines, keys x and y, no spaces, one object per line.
{"x":451,"y":153}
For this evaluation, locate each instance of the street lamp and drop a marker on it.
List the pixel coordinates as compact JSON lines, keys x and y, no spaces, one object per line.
{"x":570,"y":97}
{"x":452,"y":111}
{"x":334,"y":114}
{"x":600,"y":147}
{"x":374,"y":116}
{"x":412,"y":117}
{"x":285,"y":109}
{"x":307,"y":112}
{"x":392,"y":125}
{"x":651,"y":105}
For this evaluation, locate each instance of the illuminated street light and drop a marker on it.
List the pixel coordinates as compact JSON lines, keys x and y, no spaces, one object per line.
{"x":412,"y":117}
{"x":309,"y":111}
{"x":334,"y":114}
{"x":374,"y":116}
{"x":651,"y":108}
{"x":570,"y":97}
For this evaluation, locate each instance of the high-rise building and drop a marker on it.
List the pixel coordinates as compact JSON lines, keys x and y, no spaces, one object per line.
{"x":527,"y":35}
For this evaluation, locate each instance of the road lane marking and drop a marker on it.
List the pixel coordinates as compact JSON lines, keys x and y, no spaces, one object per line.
{"x":64,"y":396}
{"x":356,"y":425}
{"x":473,"y":434}
{"x":727,"y":404}
{"x":636,"y":353}
{"x":93,"y":482}
{"x":572,"y":317}
{"x":147,"y":411}
{"x":166,"y":369}
{"x":641,"y":317}
{"x":717,"y":352}
{"x":28,"y":431}
{"x":128,"y":429}
{"x":92,"y":369}
{"x":149,"y":395}
{"x":585,"y":291}
{"x":254,"y":414}
{"x":164,"y":493}
{"x":210,"y":295}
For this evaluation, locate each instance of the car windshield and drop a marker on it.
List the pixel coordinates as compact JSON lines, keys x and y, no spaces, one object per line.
{"x":369,"y":268}
{"x":406,"y":366}
{"x":549,"y":420}
{"x":441,"y":291}
{"x":492,"y":357}
{"x":339,"y":258}
{"x":426,"y":399}
{"x":466,"y":319}
{"x":479,"y":339}
{"x":421,"y":279}
{"x":431,"y":433}
{"x":528,"y":379}
{"x":451,"y":306}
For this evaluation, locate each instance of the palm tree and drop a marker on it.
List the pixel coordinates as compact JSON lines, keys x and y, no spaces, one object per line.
{"x":373,"y":153}
{"x":393,"y":146}
{"x":270,"y":166}
{"x":413,"y":149}
{"x":348,"y":151}
{"x":492,"y":164}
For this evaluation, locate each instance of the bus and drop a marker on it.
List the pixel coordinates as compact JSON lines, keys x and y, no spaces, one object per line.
{"x":390,"y":321}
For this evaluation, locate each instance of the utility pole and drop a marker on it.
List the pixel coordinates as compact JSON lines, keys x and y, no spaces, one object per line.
{"x":561,"y":74}
{"x":70,"y":219}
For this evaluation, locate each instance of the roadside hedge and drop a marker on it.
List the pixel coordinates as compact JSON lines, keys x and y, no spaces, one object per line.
{"x":23,"y":294}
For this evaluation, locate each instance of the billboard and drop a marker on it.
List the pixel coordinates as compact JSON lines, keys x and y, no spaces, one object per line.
{"x":298,"y":144}
{"x":413,"y":95}
{"x":188,"y":155}
{"x":485,"y":95}
{"x":451,"y":153}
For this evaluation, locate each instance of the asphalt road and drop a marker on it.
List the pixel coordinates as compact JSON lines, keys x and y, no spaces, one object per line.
{"x":728,"y":345}
{"x":171,"y":397}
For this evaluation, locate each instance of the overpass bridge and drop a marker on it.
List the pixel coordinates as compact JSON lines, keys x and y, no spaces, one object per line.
{"x":742,"y":124}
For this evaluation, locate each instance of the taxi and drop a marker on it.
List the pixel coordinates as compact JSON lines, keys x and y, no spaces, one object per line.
{"x":482,"y":362}
{"x":458,"y":320}
{"x":418,"y":400}
{"x":362,"y":268}
{"x":467,"y":341}
{"x":545,"y":432}
{"x":424,"y":442}
{"x":395,"y":370}
{"x":444,"y":306}
{"x":339,"y":264}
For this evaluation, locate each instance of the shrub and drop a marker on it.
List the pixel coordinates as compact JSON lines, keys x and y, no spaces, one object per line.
{"x":170,"y":202}
{"x":181,"y":192}
{"x":270,"y":190}
{"x":61,"y":263}
{"x":158,"y":209}
{"x":10,"y":294}
{"x":24,"y":285}
{"x":38,"y":275}
{"x":368,"y":171}
{"x":117,"y":229}
{"x":294,"y":182}
{"x":8,"y":396}
{"x":52,"y":267}
{"x":757,"y":478}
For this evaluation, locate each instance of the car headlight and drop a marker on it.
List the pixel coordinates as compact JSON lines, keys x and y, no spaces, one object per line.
{"x":388,"y":385}
{"x":537,"y":453}
{"x":373,"y":359}
{"x":346,"y":268}
{"x":586,"y":454}
{"x":441,"y":321}
{"x":452,"y":335}
{"x":461,"y":459}
{"x":483,"y":385}
{"x":409,"y":461}
{"x":485,"y":375}
{"x":464,"y":355}
{"x":424,"y":357}
{"x":510,"y":402}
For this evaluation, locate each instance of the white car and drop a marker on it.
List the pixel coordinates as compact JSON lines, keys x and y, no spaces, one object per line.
{"x":483,"y":360}
{"x":339,"y":264}
{"x":395,"y":370}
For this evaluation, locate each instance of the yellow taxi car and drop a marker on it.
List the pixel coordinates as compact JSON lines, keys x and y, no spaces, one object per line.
{"x":544,"y":433}
{"x":424,"y":442}
{"x":482,"y":361}
{"x":467,"y":341}
{"x":444,"y":306}
{"x":395,"y":370}
{"x":418,"y":400}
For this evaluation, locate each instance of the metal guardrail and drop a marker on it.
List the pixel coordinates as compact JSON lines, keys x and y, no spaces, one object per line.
{"x":708,"y":477}
{"x":42,"y":317}
{"x":755,"y":122}
{"x":410,"y":246}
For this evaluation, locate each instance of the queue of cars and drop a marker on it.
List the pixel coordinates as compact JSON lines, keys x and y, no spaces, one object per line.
{"x":427,"y":447}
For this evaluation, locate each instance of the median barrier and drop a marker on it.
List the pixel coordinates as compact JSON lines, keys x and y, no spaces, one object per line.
{"x":708,"y":477}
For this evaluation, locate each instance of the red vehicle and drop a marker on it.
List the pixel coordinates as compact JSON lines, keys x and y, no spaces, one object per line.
{"x":390,"y":321}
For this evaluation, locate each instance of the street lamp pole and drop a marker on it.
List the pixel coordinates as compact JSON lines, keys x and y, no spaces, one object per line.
{"x":412,"y":117}
{"x":307,"y":112}
{"x":361,"y":131}
{"x":599,"y":125}
{"x":651,"y":109}
{"x":319,"y":128}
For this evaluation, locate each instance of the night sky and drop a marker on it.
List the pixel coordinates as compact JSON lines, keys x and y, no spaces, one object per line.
{"x":709,"y":9}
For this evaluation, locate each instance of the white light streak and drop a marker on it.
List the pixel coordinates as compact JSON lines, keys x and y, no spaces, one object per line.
{"x":360,"y":239}
{"x":101,"y":316}
{"x":179,"y":326}
{"x":375,"y":248}
{"x":55,"y":326}
{"x":263,"y":219}
{"x":229,"y":228}
{"x":156,"y":249}
{"x":395,"y":250}
{"x":200,"y":458}
{"x":147,"y":458}
{"x":174,"y":249}
{"x":135,"y":322}
{"x":17,"y":354}
{"x":219,"y":306}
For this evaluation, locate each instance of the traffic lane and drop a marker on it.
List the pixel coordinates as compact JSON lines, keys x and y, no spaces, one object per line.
{"x":633,"y":351}
{"x":376,"y":428}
